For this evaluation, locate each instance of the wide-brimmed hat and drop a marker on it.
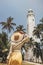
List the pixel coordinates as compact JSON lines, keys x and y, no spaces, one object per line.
{"x":17,"y":37}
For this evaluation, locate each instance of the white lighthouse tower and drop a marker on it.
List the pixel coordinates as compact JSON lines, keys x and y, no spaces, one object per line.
{"x":30,"y":22}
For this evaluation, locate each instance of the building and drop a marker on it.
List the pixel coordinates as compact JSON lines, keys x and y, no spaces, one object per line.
{"x":30,"y":22}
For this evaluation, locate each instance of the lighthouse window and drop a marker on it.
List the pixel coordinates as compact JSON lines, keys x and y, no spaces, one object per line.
{"x":33,"y":19}
{"x":30,"y":15}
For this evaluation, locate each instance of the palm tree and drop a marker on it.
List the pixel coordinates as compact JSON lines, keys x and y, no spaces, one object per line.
{"x":4,"y":46}
{"x":37,"y":51}
{"x":4,"y":40}
{"x":39,"y":29}
{"x":41,"y":26}
{"x":41,"y":20}
{"x":8,"y":25}
{"x":20,"y":28}
{"x":31,"y":41}
{"x":36,"y":32}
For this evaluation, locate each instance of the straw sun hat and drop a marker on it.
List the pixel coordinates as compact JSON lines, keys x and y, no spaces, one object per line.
{"x":17,"y":37}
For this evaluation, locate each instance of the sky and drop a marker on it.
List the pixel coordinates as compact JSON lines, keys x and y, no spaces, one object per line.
{"x":18,"y":10}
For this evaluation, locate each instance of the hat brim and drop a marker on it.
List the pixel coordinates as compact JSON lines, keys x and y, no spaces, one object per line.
{"x":17,"y":37}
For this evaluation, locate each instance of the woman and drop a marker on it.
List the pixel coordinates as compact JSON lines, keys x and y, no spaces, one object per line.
{"x":17,"y":40}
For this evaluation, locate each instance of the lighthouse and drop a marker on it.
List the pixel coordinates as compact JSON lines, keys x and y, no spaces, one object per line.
{"x":30,"y":22}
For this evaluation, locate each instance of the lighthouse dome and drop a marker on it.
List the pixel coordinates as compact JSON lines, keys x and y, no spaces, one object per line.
{"x":30,"y":11}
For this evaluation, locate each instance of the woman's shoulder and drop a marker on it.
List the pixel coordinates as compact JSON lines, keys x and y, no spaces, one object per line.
{"x":12,"y":43}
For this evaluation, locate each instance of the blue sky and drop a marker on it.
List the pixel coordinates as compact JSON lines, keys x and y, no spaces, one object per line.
{"x":18,"y":10}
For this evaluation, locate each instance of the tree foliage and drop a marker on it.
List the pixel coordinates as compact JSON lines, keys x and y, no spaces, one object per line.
{"x":8,"y":25}
{"x":20,"y":28}
{"x":4,"y":40}
{"x":39,"y":29}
